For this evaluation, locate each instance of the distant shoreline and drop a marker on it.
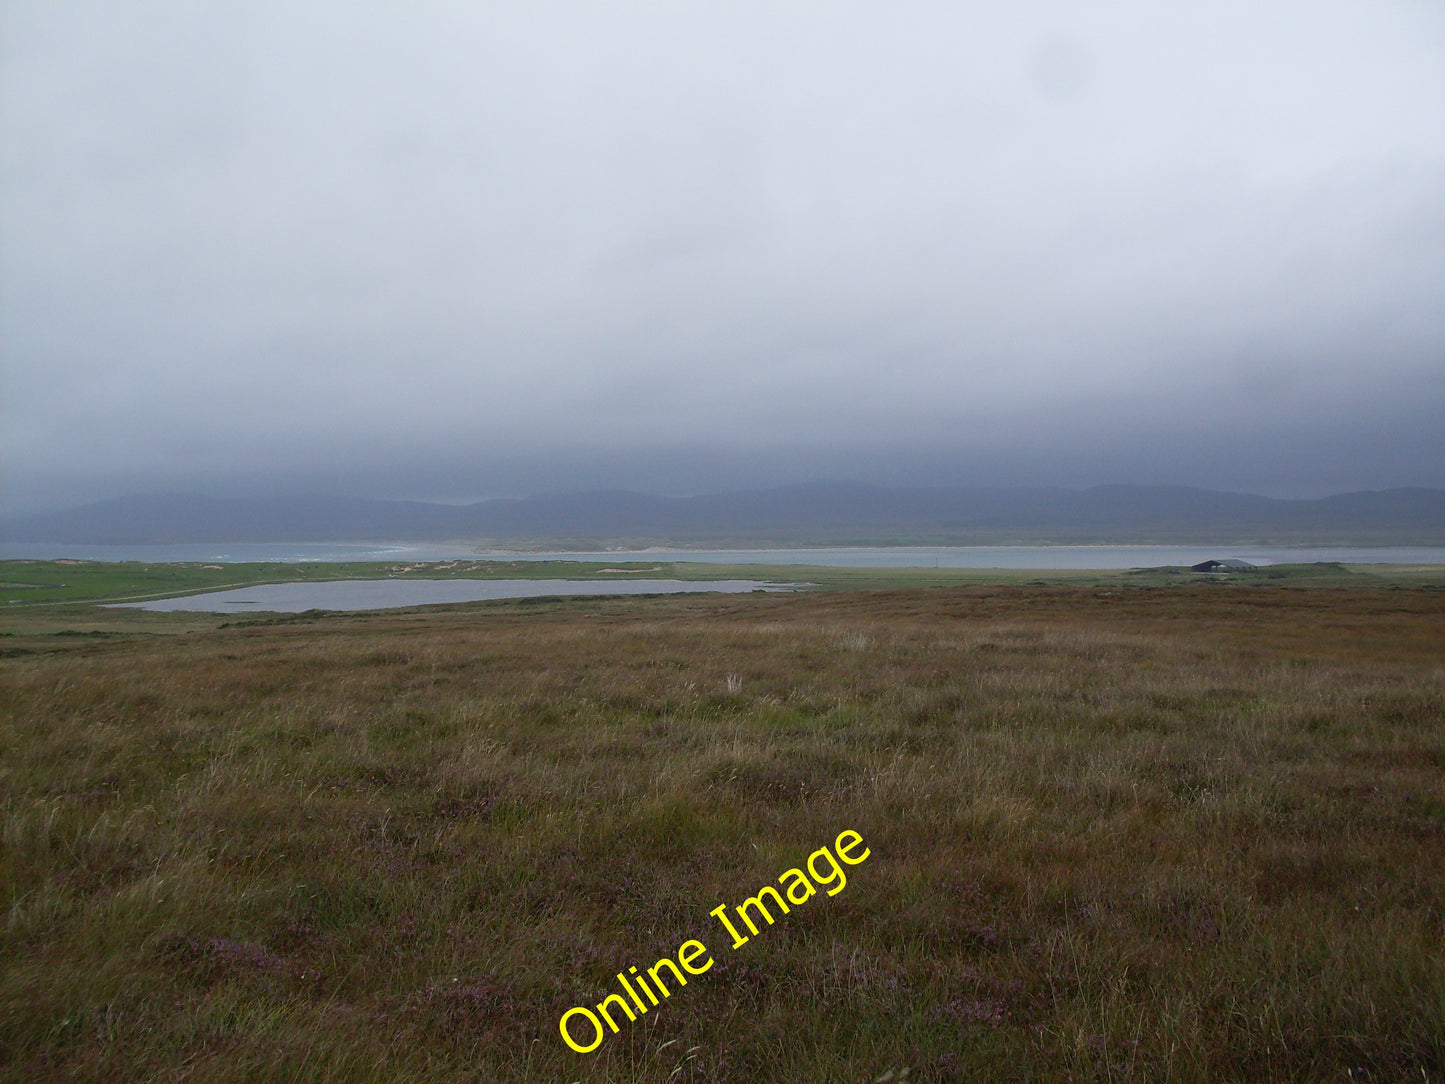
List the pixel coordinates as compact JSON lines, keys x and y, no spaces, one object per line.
{"x":1019,"y":556}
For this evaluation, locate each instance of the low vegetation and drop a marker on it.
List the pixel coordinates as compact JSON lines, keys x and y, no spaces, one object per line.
{"x":25,"y":584}
{"x":1125,"y":833}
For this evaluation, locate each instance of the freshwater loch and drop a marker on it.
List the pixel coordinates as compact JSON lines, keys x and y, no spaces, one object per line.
{"x":392,"y":594}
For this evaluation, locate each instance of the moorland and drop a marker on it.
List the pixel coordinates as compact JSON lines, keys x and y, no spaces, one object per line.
{"x":50,"y":585}
{"x":1161,"y":828}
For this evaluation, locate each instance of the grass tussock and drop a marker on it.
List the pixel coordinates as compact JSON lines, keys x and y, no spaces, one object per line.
{"x":1133,"y":835}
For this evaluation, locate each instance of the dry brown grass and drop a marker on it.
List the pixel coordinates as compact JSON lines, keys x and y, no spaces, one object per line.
{"x":1126,"y":835}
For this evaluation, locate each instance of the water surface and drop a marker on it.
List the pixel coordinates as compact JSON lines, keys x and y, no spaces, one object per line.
{"x":388,"y":594}
{"x":1026,"y":557}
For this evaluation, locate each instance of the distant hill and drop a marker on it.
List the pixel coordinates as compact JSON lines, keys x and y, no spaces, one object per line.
{"x":820,"y":513}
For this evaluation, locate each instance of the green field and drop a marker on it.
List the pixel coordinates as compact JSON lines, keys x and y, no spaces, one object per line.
{"x":1115,"y":832}
{"x":28,"y":583}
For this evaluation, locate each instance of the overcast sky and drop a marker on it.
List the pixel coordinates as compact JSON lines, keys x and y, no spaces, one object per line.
{"x":453,"y":251}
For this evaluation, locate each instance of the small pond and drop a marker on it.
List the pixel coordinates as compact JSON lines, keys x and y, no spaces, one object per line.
{"x":385,"y":594}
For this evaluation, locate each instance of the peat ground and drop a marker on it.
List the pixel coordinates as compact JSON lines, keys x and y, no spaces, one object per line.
{"x":1123,"y":833}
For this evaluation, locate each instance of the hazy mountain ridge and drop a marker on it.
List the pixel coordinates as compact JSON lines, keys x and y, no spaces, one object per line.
{"x":816,"y":513}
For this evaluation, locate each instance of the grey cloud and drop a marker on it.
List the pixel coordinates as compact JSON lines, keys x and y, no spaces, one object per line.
{"x":462,"y":250}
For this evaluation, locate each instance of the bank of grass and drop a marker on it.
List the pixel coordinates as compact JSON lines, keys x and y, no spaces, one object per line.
{"x":1145,"y":834}
{"x":26,"y":585}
